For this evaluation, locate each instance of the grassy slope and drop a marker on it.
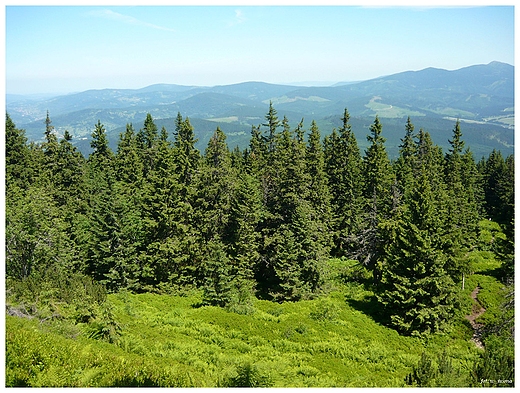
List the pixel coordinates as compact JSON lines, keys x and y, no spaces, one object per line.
{"x":170,"y":341}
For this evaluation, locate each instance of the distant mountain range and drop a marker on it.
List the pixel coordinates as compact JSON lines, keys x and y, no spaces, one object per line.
{"x":481,"y":96}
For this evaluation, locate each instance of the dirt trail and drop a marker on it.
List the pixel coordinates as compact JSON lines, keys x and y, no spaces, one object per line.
{"x":476,"y":312}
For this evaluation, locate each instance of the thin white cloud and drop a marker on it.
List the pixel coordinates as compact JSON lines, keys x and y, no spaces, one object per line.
{"x":239,"y":16}
{"x":109,"y":14}
{"x":238,"y":19}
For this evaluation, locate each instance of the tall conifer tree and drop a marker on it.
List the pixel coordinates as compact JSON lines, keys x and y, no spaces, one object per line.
{"x":460,"y":176}
{"x":415,"y":291}
{"x":378,"y":186}
{"x":17,"y":156}
{"x":405,"y":165}
{"x":343,"y":164}
{"x":215,"y":191}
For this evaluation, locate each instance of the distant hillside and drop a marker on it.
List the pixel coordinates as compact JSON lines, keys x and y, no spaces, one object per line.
{"x":481,"y":96}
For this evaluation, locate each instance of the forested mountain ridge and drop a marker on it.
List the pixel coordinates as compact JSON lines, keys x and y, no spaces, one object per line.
{"x":481,"y":96}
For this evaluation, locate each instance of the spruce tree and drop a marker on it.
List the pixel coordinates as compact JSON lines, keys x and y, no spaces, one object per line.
{"x":128,"y":164}
{"x":217,"y":284}
{"x":506,"y":190}
{"x":149,"y":131}
{"x":215,"y":185}
{"x":254,"y":157}
{"x":343,"y":165}
{"x":318,"y":194}
{"x":18,"y":164}
{"x":496,"y":183}
{"x":460,"y":176}
{"x":405,"y":165}
{"x":69,"y":190}
{"x":186,"y":156}
{"x":182,"y":246}
{"x":416,"y":292}
{"x":36,"y":237}
{"x":278,"y":175}
{"x":497,"y":177}
{"x":215,"y":190}
{"x":98,"y":237}
{"x":147,"y":139}
{"x":294,"y":243}
{"x":102,"y":154}
{"x":159,"y":204}
{"x":377,"y":172}
{"x":70,"y":174}
{"x":50,"y":134}
{"x":272,"y":124}
{"x":378,"y":193}
{"x":50,"y":148}
{"x":130,"y":190}
{"x":242,"y":233}
{"x":430,"y":158}
{"x":36,"y":234}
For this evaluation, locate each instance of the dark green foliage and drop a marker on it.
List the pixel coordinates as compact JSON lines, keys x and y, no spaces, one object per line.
{"x":377,"y":173}
{"x":69,"y":177}
{"x":272,"y":124}
{"x":158,"y":203}
{"x":496,"y":367}
{"x":422,"y":373}
{"x":225,"y":222}
{"x":294,"y":243}
{"x":343,"y":165}
{"x":35,"y":234}
{"x":104,"y":327}
{"x":114,"y":238}
{"x":50,"y":146}
{"x":497,"y":176}
{"x":18,"y":165}
{"x":254,"y":157}
{"x":157,"y":216}
{"x":415,"y":290}
{"x":186,"y":156}
{"x":461,"y":224}
{"x":243,"y":238}
{"x":439,"y":372}
{"x":248,"y":376}
{"x":99,"y":144}
{"x":492,"y":170}
{"x":217,"y":284}
{"x":215,"y":189}
{"x":128,"y":164}
{"x":379,"y":201}
{"x":406,"y":162}
{"x":318,"y":188}
{"x":54,"y":295}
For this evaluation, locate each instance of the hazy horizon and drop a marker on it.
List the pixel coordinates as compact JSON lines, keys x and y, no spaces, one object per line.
{"x":295,"y":84}
{"x":65,"y":49}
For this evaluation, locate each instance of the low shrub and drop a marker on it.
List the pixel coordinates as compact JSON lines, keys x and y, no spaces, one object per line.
{"x":104,"y":326}
{"x":248,"y":375}
{"x":55,"y":293}
{"x":438,"y":371}
{"x":324,"y":310}
{"x":241,"y":300}
{"x":496,"y":366}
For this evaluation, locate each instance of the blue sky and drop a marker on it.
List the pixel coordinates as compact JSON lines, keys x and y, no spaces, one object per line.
{"x":60,"y":49}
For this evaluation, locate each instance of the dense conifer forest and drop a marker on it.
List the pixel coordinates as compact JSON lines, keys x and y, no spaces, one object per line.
{"x":287,"y":221}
